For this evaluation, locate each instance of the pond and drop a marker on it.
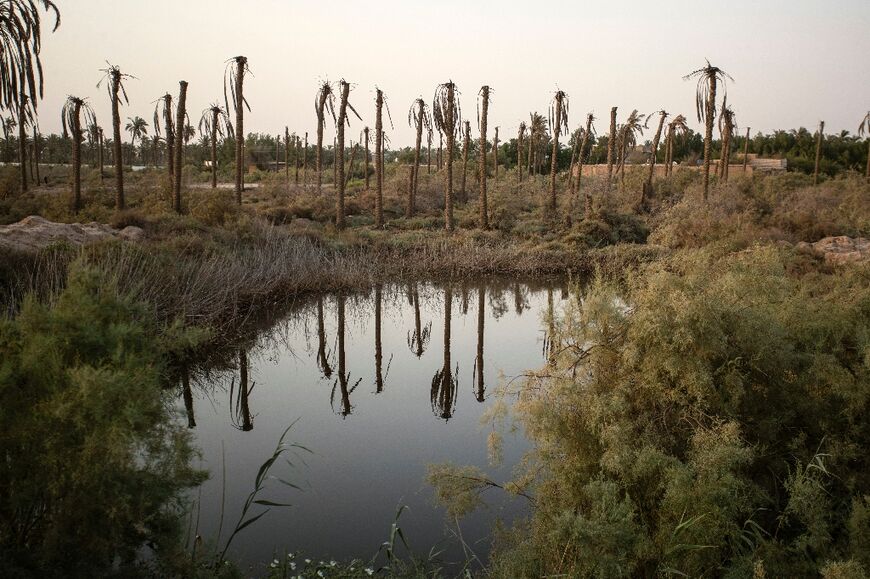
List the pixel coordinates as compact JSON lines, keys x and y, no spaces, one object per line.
{"x":380,"y":384}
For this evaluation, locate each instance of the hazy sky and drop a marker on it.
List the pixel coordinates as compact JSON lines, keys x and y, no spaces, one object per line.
{"x":794,"y":61}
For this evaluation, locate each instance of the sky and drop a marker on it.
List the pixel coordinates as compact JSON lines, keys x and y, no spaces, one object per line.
{"x":794,"y":62}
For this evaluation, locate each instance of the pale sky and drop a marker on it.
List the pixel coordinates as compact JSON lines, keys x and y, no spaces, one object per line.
{"x":794,"y":61}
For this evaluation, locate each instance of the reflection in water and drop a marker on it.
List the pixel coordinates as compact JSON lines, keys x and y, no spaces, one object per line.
{"x":549,"y":339}
{"x":418,"y":341}
{"x":343,"y":375}
{"x":520,"y":302}
{"x":187,"y":395}
{"x":379,"y":353}
{"x":445,"y":383}
{"x":478,"y":363}
{"x":322,"y":356}
{"x":240,"y":412}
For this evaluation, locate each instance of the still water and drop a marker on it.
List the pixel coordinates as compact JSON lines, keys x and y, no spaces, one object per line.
{"x":382,"y":384}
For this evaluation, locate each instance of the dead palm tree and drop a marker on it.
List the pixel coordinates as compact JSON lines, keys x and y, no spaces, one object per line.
{"x":819,"y":138}
{"x":677,"y":126}
{"x":652,"y":160}
{"x":445,"y":383}
{"x":418,"y":119}
{"x":429,"y":151}
{"x":418,"y":341}
{"x":365,"y":138}
{"x":521,"y":135}
{"x":344,"y":89}
{"x":447,"y":116}
{"x":163,"y":110}
{"x":611,"y":146}
{"x":380,"y":103}
{"x":575,"y":138}
{"x":71,"y":119}
{"x":709,"y":78}
{"x":138,"y":129}
{"x":628,"y":140}
{"x":589,"y":131}
{"x":25,"y":113}
{"x":234,"y":80}
{"x":495,"y":155}
{"x":864,"y":127}
{"x":466,"y":146}
{"x":324,"y":102}
{"x":215,"y":122}
{"x":478,"y":363}
{"x":482,"y":113}
{"x":558,"y":119}
{"x":726,"y":129}
{"x":115,"y":85}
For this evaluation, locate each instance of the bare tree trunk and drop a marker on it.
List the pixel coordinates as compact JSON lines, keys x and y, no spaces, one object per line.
{"x":214,"y":127}
{"x":611,"y":145}
{"x":379,"y":352}
{"x":77,"y":157}
{"x":481,"y":157}
{"x":36,"y":153}
{"x":746,"y":150}
{"x":495,"y":155}
{"x":819,"y":139}
{"x":170,"y":136}
{"x":587,"y":210}
{"x":379,"y":160}
{"x":286,"y":156}
{"x":188,"y":396}
{"x":366,"y":131}
{"x":557,"y":129}
{"x":429,"y":152}
{"x":241,"y":62}
{"x":179,"y":144}
{"x":244,"y":391}
{"x":116,"y":135}
{"x":440,"y":162}
{"x":451,"y":139}
{"x":412,"y":190}
{"x":466,"y":145}
{"x":339,"y":155}
{"x":101,"y":154}
{"x":573,"y":159}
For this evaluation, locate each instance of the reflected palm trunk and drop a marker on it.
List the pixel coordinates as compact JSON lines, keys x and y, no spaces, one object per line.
{"x":549,"y":340}
{"x":242,"y":413}
{"x":481,"y":389}
{"x":464,"y":291}
{"x":343,"y":375}
{"x":379,"y":354}
{"x":445,"y":383}
{"x":417,"y":342}
{"x":519,"y":300}
{"x":322,"y":357}
{"x":188,"y":396}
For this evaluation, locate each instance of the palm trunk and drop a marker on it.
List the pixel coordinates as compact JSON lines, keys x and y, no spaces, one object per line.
{"x":214,"y":127}
{"x":726,"y":153}
{"x":587,"y":210}
{"x":379,"y":352}
{"x":366,"y":132}
{"x":495,"y":155}
{"x":451,"y":138}
{"x":429,"y":153}
{"x":170,"y":137}
{"x":188,"y":396}
{"x":116,"y":135}
{"x":179,"y":144}
{"x":481,"y":388}
{"x":286,"y":156}
{"x":466,"y":145}
{"x":520,"y":156}
{"x":244,"y":391}
{"x":342,"y":370}
{"x":305,"y":161}
{"x":339,"y":156}
{"x":481,"y":158}
{"x":708,"y":134}
{"x":611,"y":145}
{"x":379,"y":160}
{"x":36,"y":153}
{"x":101,"y":155}
{"x":652,"y":160}
{"x":819,"y":139}
{"x":322,"y":358}
{"x":241,"y":61}
{"x":22,"y":141}
{"x":296,"y":143}
{"x":334,"y":164}
{"x":573,"y":160}
{"x":77,"y":157}
{"x":746,"y":150}
{"x":440,"y":162}
{"x":555,"y":155}
{"x":530,"y":153}
{"x":412,"y":190}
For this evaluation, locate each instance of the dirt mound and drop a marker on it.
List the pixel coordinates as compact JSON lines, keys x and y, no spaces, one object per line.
{"x":841,"y":249}
{"x":34,"y":232}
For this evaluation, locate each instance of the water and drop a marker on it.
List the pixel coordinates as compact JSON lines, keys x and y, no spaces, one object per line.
{"x":372,"y":431}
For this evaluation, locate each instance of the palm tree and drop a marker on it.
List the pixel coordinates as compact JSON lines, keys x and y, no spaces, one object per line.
{"x":495,"y":155}
{"x":25,"y":115}
{"x":234,"y":80}
{"x":746,"y":151}
{"x":652,"y":160}
{"x":380,"y":103}
{"x":726,"y":128}
{"x":445,"y":383}
{"x":364,"y":136}
{"x":72,"y":122}
{"x":628,"y":140}
{"x":447,"y":116}
{"x":115,"y":85}
{"x":538,"y":137}
{"x":20,"y":45}
{"x":558,"y":119}
{"x":181,"y":137}
{"x":521,"y":135}
{"x":677,"y":126}
{"x":9,"y":124}
{"x":138,"y":129}
{"x":705,"y":104}
{"x":322,"y":354}
{"x":482,"y":112}
{"x":418,"y":118}
{"x":163,"y":110}
{"x":611,"y":146}
{"x":420,"y":338}
{"x":344,"y":88}
{"x":323,"y":102}
{"x":589,"y":131}
{"x":819,"y":138}
{"x":478,"y":364}
{"x":864,"y":127}
{"x":466,"y":145}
